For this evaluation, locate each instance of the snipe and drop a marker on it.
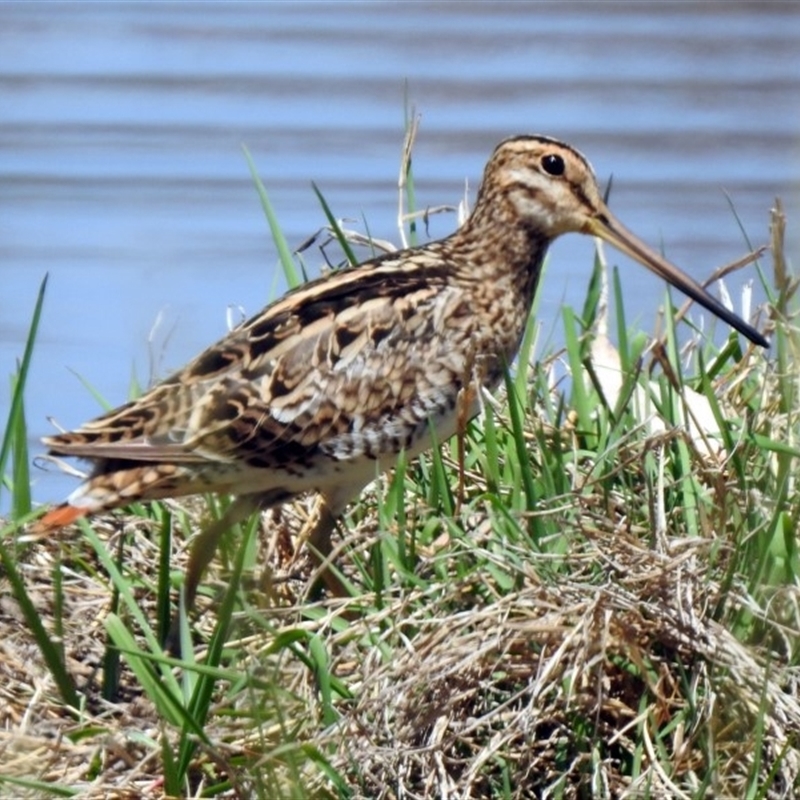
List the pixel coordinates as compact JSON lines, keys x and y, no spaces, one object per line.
{"x":323,"y":388}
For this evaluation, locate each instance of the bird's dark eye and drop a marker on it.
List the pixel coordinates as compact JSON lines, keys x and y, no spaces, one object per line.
{"x":553,"y":164}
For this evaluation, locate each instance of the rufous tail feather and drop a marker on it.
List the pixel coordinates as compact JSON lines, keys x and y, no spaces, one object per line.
{"x":59,"y":517}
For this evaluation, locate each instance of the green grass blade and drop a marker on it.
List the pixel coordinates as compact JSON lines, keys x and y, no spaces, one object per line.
{"x":15,"y":411}
{"x":130,"y":604}
{"x":161,"y":696}
{"x":335,"y":227}
{"x":515,"y":411}
{"x":322,"y":671}
{"x":173,"y":779}
{"x":42,"y":788}
{"x":524,"y":356}
{"x":441,"y":495}
{"x":101,"y":401}
{"x":591,"y":302}
{"x":51,"y":652}
{"x":411,"y":122}
{"x":21,"y":503}
{"x":202,"y":692}
{"x":623,"y":345}
{"x":164,"y":588}
{"x":282,"y":246}
{"x":580,"y":398}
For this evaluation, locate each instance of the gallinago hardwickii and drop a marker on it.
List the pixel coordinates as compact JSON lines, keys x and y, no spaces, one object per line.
{"x":322,"y":389}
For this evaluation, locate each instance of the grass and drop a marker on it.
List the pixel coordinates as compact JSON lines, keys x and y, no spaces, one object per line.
{"x":594,"y":594}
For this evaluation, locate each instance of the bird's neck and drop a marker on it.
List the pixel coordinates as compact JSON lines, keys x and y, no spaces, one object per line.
{"x":506,"y":258}
{"x":499,"y":267}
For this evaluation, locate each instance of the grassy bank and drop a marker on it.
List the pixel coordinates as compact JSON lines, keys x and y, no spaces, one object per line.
{"x":593,"y":594}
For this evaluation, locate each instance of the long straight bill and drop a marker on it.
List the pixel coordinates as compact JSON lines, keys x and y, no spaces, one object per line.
{"x":607,"y":227}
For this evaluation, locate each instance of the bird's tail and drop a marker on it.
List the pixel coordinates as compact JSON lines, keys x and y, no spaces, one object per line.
{"x":120,"y":483}
{"x":58,"y":517}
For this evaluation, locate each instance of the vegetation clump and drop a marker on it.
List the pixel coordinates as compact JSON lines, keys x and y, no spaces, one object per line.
{"x":592,"y":593}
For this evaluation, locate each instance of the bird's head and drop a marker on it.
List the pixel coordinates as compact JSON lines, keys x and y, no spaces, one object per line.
{"x":550,"y":188}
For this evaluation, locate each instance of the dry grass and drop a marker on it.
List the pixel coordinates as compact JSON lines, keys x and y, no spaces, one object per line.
{"x":559,"y":688}
{"x":636,"y":635}
{"x":41,"y":739}
{"x":611,"y":680}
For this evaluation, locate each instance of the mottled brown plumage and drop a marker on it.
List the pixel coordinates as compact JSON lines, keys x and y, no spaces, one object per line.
{"x":322,"y":389}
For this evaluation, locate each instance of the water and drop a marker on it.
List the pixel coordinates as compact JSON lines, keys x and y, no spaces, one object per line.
{"x":122,"y":174}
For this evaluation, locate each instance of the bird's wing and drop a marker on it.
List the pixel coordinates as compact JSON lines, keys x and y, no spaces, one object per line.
{"x":335,"y":357}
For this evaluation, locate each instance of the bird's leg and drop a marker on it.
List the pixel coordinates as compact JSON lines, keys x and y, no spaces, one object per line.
{"x":202,"y":551}
{"x":466,"y":404}
{"x":205,"y":544}
{"x":317,"y":535}
{"x":464,"y":401}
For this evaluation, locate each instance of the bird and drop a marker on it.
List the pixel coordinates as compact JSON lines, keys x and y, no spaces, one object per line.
{"x":325,"y":387}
